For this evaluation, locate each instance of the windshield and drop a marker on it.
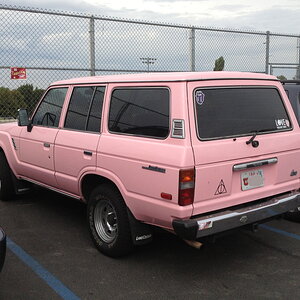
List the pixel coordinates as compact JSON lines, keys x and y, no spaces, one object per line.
{"x":227,"y":112}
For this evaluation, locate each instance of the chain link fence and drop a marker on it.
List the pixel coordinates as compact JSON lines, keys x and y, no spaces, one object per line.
{"x":54,"y":45}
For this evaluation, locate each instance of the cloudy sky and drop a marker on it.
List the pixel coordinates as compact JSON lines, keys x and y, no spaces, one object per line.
{"x":39,"y":40}
{"x":281,"y":16}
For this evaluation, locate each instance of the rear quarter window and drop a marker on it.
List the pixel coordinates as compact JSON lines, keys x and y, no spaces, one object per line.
{"x":140,"y":111}
{"x":227,"y":112}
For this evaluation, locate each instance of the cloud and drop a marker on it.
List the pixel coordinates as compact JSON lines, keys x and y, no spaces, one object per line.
{"x":63,"y":42}
{"x":277,"y":19}
{"x":231,"y":7}
{"x":172,"y":1}
{"x":256,"y":15}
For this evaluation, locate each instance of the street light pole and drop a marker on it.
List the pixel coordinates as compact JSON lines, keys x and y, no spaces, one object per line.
{"x":148,"y":61}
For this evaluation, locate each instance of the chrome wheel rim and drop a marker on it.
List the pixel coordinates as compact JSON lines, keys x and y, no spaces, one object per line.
{"x":105,"y":220}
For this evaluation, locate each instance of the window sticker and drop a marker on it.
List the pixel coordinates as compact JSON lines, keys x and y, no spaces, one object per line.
{"x":282,"y":123}
{"x":199,"y":97}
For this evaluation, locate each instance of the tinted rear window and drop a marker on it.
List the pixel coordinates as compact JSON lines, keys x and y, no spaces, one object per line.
{"x":227,"y":112}
{"x":140,"y":112}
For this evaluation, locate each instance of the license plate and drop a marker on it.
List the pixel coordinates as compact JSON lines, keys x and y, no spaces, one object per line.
{"x":252,"y":179}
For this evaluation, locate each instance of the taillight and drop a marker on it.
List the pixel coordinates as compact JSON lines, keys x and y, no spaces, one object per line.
{"x":186,"y":187}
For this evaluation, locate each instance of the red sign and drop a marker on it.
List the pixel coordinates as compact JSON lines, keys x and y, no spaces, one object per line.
{"x":17,"y":73}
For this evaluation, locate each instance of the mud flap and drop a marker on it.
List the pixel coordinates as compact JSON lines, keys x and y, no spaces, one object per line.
{"x":141,"y":233}
{"x":21,"y":186}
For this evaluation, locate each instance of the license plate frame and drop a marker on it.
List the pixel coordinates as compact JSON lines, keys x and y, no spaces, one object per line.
{"x":252,"y":179}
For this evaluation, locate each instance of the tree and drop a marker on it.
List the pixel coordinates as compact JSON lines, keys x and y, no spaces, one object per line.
{"x":219,"y":64}
{"x":23,"y":97}
{"x":10,"y":102}
{"x":281,"y":77}
{"x":31,"y":95}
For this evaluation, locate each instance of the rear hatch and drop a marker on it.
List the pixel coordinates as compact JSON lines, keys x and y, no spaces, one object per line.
{"x":245,"y":140}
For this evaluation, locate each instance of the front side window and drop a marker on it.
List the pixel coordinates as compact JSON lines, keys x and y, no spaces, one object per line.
{"x":85,"y":109}
{"x":227,"y":112}
{"x":48,"y":113}
{"x":140,"y":111}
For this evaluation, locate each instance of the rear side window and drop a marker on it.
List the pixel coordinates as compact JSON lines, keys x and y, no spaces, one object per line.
{"x":140,"y":111}
{"x":94,"y":118}
{"x":227,"y":112}
{"x":85,"y":109}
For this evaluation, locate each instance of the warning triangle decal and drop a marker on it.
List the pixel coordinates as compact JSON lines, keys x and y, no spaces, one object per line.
{"x":221,"y":188}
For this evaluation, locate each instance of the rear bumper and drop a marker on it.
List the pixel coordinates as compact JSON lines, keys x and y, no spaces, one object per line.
{"x":2,"y":248}
{"x":234,"y":217}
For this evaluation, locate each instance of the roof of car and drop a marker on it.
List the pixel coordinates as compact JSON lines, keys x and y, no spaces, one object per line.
{"x":165,"y":77}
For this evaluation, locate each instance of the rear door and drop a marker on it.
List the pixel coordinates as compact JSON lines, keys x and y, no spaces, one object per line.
{"x":76,"y":143}
{"x":244,"y":142}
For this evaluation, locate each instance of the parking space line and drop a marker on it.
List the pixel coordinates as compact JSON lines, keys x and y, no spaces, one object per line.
{"x":51,"y":280}
{"x":282,"y":232}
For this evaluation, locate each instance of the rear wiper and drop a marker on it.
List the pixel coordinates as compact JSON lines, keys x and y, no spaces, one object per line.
{"x":255,"y":132}
{"x":252,"y":137}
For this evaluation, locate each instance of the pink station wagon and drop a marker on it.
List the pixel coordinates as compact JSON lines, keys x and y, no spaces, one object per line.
{"x":197,"y":154}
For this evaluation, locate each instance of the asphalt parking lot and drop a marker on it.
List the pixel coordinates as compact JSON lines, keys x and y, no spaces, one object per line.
{"x":50,"y":256}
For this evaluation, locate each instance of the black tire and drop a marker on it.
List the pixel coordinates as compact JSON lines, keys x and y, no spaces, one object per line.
{"x":108,"y":221}
{"x":6,"y":182}
{"x":293,"y":216}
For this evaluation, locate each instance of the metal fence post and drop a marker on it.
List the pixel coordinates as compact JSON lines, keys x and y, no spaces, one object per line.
{"x":271,"y":69}
{"x":267,"y":52}
{"x":92,"y":46}
{"x":298,"y":54}
{"x":192,"y":49}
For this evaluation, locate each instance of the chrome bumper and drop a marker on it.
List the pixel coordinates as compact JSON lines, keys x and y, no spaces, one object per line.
{"x":234,"y":217}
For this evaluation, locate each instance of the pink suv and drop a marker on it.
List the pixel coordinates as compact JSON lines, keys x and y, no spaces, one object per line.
{"x":194,"y":153}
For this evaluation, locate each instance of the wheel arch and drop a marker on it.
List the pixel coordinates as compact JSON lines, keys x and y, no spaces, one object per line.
{"x":2,"y":151}
{"x":6,"y":148}
{"x":90,"y":181}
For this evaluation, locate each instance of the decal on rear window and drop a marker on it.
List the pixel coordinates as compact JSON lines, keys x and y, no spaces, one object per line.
{"x":199,"y":95}
{"x":282,"y":123}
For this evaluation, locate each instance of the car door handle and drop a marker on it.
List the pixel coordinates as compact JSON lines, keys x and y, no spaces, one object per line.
{"x":47,"y":145}
{"x":88,"y":153}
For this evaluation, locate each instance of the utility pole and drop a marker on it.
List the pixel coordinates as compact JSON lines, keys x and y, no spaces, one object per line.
{"x":148,"y":61}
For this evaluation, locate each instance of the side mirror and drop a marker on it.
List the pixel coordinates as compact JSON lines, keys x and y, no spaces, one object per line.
{"x":23,"y":119}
